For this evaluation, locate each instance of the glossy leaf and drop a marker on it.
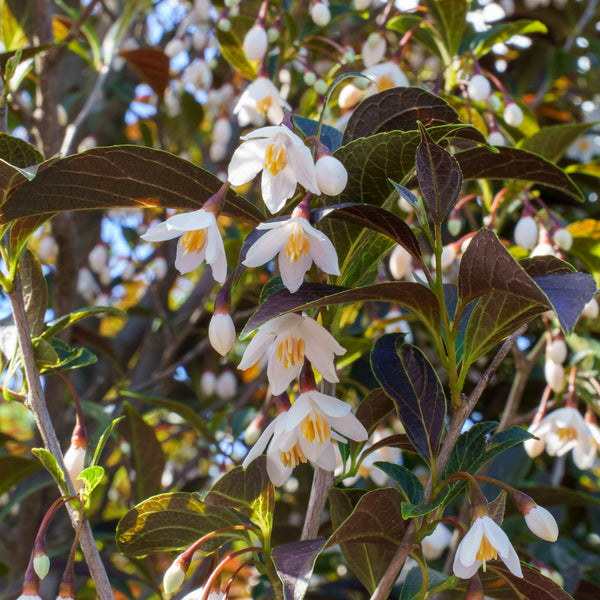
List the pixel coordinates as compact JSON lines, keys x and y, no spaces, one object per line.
{"x":408,"y":378}
{"x":121,"y":176}
{"x":64,"y":356}
{"x":172,"y":522}
{"x":294,"y":564}
{"x":371,"y":534}
{"x":482,"y":42}
{"x":469,"y":448}
{"x":99,"y":446}
{"x":545,"y":265}
{"x":153,"y":66}
{"x":398,"y":109}
{"x":146,"y":453}
{"x":415,"y":297}
{"x":552,"y":142}
{"x":408,"y":483}
{"x":47,"y":459}
{"x":18,"y":152}
{"x":330,"y":136}
{"x":444,"y":495}
{"x":93,"y":477}
{"x":449,"y":17}
{"x":515,"y":164}
{"x":439,"y":177}
{"x":376,"y":406}
{"x":14,"y":469}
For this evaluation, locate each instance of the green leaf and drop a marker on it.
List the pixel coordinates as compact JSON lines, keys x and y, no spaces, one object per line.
{"x":415,"y":297}
{"x":146,"y":452}
{"x":93,"y":477}
{"x":173,"y":522}
{"x":121,"y":176}
{"x":410,"y":511}
{"x":412,"y":585}
{"x":408,"y":378}
{"x":371,"y":533}
{"x":14,"y":469}
{"x":21,"y":232}
{"x":551,"y":142}
{"x":102,"y":441}
{"x":35,"y":293}
{"x":18,"y":152}
{"x":439,"y":177}
{"x":230,"y":45}
{"x":405,"y":479}
{"x":60,"y":324}
{"x":249,"y":491}
{"x":469,"y":448}
{"x":424,"y":34}
{"x":515,"y":164}
{"x":449,"y":17}
{"x":45,"y":356}
{"x":294,"y":564}
{"x":482,"y":42}
{"x":400,"y":109}
{"x":47,"y":459}
{"x":66,"y":357}
{"x":586,"y":245}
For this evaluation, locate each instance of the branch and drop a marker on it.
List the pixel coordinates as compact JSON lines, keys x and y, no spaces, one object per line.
{"x":37,"y":404}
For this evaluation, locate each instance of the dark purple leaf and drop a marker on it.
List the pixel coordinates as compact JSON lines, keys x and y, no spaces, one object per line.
{"x":152,"y":64}
{"x":497,"y":506}
{"x":415,"y":297}
{"x":512,"y":163}
{"x":398,"y":109}
{"x":369,"y":528}
{"x":545,"y":265}
{"x":294,"y":563}
{"x":439,"y":177}
{"x":374,"y":409}
{"x":408,"y":378}
{"x":121,"y":176}
{"x":375,"y":218}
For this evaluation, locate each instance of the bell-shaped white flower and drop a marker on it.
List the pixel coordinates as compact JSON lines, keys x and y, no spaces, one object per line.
{"x":306,"y":432}
{"x":565,"y":429}
{"x":373,"y":50}
{"x":199,"y":240}
{"x":221,"y":332}
{"x":526,"y":232}
{"x":256,"y":43}
{"x":320,"y":13}
{"x":332,"y":176}
{"x":436,"y":542}
{"x":298,"y":244}
{"x":74,"y":461}
{"x":261,"y":100}
{"x":484,"y":541}
{"x":282,"y":157}
{"x":479,"y":88}
{"x":563,"y":239}
{"x":513,"y":115}
{"x":293,"y":337}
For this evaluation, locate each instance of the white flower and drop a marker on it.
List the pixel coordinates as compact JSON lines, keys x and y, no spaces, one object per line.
{"x":563,"y":239}
{"x":400,"y":262}
{"x":513,"y":115}
{"x":484,"y":541}
{"x":526,"y":232}
{"x":373,"y":50}
{"x":175,"y":46}
{"x":591,"y":309}
{"x":298,"y":244}
{"x":332,"y":176}
{"x":565,"y":429}
{"x":448,"y":256}
{"x":305,"y":432}
{"x":47,"y":249}
{"x":74,"y":460}
{"x":282,"y":157}
{"x":293,"y":337}
{"x":226,"y":385}
{"x":435,"y":543}
{"x":260,"y":99}
{"x":554,"y":374}
{"x":495,"y":138}
{"x":479,"y":88}
{"x":208,"y":383}
{"x":197,"y":75}
{"x":256,"y":43}
{"x":543,"y":249}
{"x":199,"y":240}
{"x":541,"y":522}
{"x":320,"y":13}
{"x":557,"y":350}
{"x":221,"y":332}
{"x":534,"y":447}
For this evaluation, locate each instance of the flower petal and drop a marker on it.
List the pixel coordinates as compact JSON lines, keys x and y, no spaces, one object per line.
{"x":265,"y":247}
{"x":192,"y":221}
{"x":292,"y":272}
{"x":247,"y":161}
{"x":188,"y":261}
{"x":160,"y":233}
{"x":280,"y":377}
{"x":255,"y":349}
{"x":262,"y":441}
{"x":276,"y":189}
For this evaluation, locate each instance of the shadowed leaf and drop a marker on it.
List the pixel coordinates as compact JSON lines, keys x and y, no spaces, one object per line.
{"x":405,"y":479}
{"x":497,"y":506}
{"x":439,"y":177}
{"x":47,"y":459}
{"x":513,"y":163}
{"x":545,"y":265}
{"x":586,"y":245}
{"x":552,"y":142}
{"x":294,"y":563}
{"x":153,"y":66}
{"x":409,"y":379}
{"x":230,"y":45}
{"x":13,"y":469}
{"x":374,"y":409}
{"x":172,"y":522}
{"x":330,"y":136}
{"x":18,"y":152}
{"x":121,"y":176}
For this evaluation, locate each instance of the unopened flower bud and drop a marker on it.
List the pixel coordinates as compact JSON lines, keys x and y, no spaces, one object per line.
{"x":174,"y":576}
{"x":454,"y":224}
{"x":526,"y":232}
{"x":563,"y":239}
{"x":513,"y":115}
{"x":591,"y":309}
{"x":555,"y":375}
{"x":493,"y":103}
{"x":224,"y":25}
{"x":208,"y":383}
{"x":448,"y":255}
{"x":479,"y":88}
{"x":310,"y":78}
{"x":226,"y":386}
{"x":557,"y":350}
{"x":320,"y":13}
{"x":256,"y":43}
{"x":332,"y":176}
{"x":273,"y":34}
{"x":534,"y":446}
{"x":98,"y":258}
{"x":320,"y":87}
{"x":221,"y":332}
{"x":539,"y":520}
{"x":474,"y":589}
{"x":349,"y":96}
{"x":400,"y":262}
{"x":495,"y":138}
{"x":373,"y":50}
{"x":543,"y":249}
{"x":41,"y":562}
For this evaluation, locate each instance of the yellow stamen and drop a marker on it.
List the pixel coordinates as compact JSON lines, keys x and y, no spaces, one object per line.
{"x":264,"y":105}
{"x":297,"y":244}
{"x":291,"y":352}
{"x":193,"y":241}
{"x":566,"y":434}
{"x":293,"y":457}
{"x":275,"y":158}
{"x":385,"y":82}
{"x":314,"y":425}
{"x":486,"y":551}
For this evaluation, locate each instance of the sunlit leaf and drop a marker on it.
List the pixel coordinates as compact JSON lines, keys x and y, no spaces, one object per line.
{"x":230,"y":45}
{"x":449,"y":17}
{"x":481,"y":43}
{"x":47,"y":459}
{"x":551,"y":142}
